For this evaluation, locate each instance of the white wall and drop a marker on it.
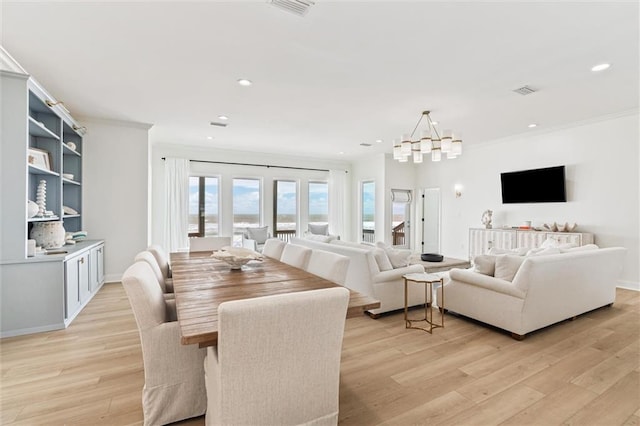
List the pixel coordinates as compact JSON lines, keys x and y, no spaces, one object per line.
{"x":228,"y":172}
{"x":115,"y":190}
{"x":601,"y":159}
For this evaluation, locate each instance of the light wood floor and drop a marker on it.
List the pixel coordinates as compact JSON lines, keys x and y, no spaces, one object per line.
{"x":580,"y":372}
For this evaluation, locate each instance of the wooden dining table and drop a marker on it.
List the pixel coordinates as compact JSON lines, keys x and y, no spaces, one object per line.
{"x":201,"y":283}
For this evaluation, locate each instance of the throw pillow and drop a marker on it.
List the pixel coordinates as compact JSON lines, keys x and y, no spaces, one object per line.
{"x":398,"y":257}
{"x":516,"y":252}
{"x":549,"y":242}
{"x":260,"y":235}
{"x":543,"y":251}
{"x":384,"y":264}
{"x":485,"y":264}
{"x":319,"y":229}
{"x":507,"y":266}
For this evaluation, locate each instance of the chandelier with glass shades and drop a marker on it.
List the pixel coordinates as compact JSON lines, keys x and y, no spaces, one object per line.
{"x":430,"y":142}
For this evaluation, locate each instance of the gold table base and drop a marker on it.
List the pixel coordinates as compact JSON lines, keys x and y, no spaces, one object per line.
{"x":428,"y":280}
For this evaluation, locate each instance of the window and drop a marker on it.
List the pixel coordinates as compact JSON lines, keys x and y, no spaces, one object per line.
{"x":246,"y":203}
{"x":368,"y":202}
{"x":204,"y":197}
{"x":400,"y":217}
{"x":318,"y":203}
{"x":285,"y":207}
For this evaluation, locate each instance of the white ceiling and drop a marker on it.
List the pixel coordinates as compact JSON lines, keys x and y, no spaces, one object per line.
{"x":349,"y":72}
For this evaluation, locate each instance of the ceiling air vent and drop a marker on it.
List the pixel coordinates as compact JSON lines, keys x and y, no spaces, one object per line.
{"x":217,"y":123}
{"x":365,"y":144}
{"x":299,"y":7}
{"x":525,"y":90}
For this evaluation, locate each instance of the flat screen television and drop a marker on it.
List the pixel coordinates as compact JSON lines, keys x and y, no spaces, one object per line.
{"x":534,"y":186}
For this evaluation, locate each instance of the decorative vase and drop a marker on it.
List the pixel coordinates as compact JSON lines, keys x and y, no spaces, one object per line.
{"x":32,"y":209}
{"x":41,"y":197}
{"x":48,"y":235}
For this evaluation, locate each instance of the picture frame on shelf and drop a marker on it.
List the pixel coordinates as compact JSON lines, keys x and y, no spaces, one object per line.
{"x":39,"y":158}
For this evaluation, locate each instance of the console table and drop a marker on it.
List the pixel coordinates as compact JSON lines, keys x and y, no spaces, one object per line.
{"x":481,"y":239}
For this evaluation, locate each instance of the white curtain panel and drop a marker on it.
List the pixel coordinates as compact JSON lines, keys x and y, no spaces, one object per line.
{"x":337,"y":188}
{"x":176,"y":225}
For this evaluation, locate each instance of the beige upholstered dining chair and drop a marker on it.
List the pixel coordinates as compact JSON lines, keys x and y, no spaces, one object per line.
{"x":273,"y":248}
{"x":331,"y":266}
{"x":296,"y":255}
{"x":174,"y":386}
{"x":208,"y":243}
{"x":283,"y":369}
{"x":162,"y":258}
{"x":166,"y":284}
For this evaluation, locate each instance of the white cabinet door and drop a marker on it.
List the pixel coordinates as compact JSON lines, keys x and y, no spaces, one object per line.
{"x":97,"y":267}
{"x":76,"y":283}
{"x":71,"y":287}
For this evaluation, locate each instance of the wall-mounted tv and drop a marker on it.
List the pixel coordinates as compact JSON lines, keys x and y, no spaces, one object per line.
{"x":534,"y":186}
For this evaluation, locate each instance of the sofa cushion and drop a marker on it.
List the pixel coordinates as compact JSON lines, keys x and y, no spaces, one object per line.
{"x":319,"y":229}
{"x":320,"y":238}
{"x":384,"y":264}
{"x":507,"y":266}
{"x":485,"y":264}
{"x":260,"y":235}
{"x":579,"y":248}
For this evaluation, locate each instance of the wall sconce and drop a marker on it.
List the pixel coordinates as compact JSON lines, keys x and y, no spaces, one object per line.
{"x":458,"y":190}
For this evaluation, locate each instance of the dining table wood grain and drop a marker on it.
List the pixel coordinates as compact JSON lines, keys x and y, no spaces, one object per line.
{"x":201,"y":283}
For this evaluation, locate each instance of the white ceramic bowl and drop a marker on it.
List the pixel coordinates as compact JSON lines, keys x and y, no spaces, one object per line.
{"x":236,"y":256}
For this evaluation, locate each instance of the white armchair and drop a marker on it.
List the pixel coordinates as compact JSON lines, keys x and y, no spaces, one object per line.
{"x":255,"y":237}
{"x":283,"y":369}
{"x":174,"y":386}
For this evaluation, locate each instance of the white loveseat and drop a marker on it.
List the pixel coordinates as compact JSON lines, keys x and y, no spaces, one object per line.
{"x":545,"y":289}
{"x":364,"y":274}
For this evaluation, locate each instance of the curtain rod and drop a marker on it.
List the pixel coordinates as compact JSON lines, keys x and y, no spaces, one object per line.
{"x":268,"y":166}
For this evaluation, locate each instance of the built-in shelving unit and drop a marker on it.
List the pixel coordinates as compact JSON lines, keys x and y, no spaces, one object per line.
{"x":41,"y":143}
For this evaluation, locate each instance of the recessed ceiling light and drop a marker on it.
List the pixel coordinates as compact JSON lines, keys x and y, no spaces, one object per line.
{"x":532,"y":125}
{"x":341,"y":152}
{"x":209,"y":137}
{"x":223,"y":117}
{"x":244,"y":82}
{"x":378,"y":140}
{"x":600,"y":67}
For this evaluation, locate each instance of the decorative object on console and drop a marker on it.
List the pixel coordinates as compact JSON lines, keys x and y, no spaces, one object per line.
{"x":71,"y":145}
{"x":430,"y":142}
{"x":41,"y":197}
{"x":486,"y":219}
{"x":560,"y":228}
{"x":236,"y":257}
{"x":432,"y":257}
{"x":48,"y":235}
{"x":32,"y":209}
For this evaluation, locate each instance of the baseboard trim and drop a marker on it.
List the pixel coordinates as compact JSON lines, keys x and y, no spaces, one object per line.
{"x":629,"y":285}
{"x":112,"y":278}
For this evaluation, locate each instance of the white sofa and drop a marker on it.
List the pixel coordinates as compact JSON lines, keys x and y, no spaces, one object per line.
{"x":364,"y":275}
{"x":545,"y":289}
